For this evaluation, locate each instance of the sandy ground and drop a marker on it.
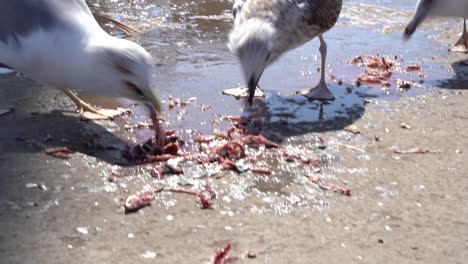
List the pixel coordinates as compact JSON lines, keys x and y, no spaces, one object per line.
{"x":404,"y":208}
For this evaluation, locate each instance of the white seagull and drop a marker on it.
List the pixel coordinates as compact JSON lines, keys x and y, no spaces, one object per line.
{"x":59,"y":43}
{"x":444,"y":8}
{"x":266,"y":29}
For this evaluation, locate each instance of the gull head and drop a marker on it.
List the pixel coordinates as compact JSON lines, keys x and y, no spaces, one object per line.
{"x":252,"y":41}
{"x":125,"y":69}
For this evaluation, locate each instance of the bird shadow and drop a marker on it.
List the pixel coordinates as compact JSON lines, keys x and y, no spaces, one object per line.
{"x":283,"y":117}
{"x":295,"y":115}
{"x":39,"y":131}
{"x":460,"y":80}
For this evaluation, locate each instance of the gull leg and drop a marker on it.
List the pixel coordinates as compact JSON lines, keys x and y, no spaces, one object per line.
{"x":321,"y":91}
{"x":462,"y":43}
{"x":90,"y":112}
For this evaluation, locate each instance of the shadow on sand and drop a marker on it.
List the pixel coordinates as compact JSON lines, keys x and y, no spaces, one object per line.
{"x":294,"y":115}
{"x":460,"y":80}
{"x":61,"y":129}
{"x":35,"y":122}
{"x":282,"y":117}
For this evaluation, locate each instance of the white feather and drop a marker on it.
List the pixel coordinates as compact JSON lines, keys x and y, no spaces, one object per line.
{"x":79,"y":55}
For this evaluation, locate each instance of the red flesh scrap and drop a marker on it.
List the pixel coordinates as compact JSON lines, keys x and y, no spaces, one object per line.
{"x":171,"y":148}
{"x":205,"y":201}
{"x":372,"y":62}
{"x":259,"y":140}
{"x":152,"y":151}
{"x":137,"y":201}
{"x":305,"y":160}
{"x":170,"y":103}
{"x":141,"y":199}
{"x":169,"y":133}
{"x":378,"y":63}
{"x":231,"y":150}
{"x":413,"y":67}
{"x":156,"y":173}
{"x":412,"y":151}
{"x":112,"y":178}
{"x":381,"y":74}
{"x":227,"y":164}
{"x":288,"y":157}
{"x":202,"y":160}
{"x":63,"y":153}
{"x":341,"y":190}
{"x":160,"y":158}
{"x":374,"y":77}
{"x":181,"y":190}
{"x":333,"y":188}
{"x":369,"y":79}
{"x":204,"y":139}
{"x":263,"y":171}
{"x":221,"y":254}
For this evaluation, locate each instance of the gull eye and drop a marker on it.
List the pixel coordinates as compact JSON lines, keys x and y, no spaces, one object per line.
{"x":133,"y":87}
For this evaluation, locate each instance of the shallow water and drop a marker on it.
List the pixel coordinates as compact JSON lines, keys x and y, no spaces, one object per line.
{"x":188,"y":41}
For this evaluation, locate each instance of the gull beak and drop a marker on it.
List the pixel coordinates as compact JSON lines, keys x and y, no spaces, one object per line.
{"x":154,"y":105}
{"x":153,"y":99}
{"x":421,"y":13}
{"x":253,"y":82}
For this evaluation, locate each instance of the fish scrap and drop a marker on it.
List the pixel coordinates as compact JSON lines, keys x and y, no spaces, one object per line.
{"x":380,"y":70}
{"x":60,"y":152}
{"x":221,"y":255}
{"x":341,"y":190}
{"x":413,"y":151}
{"x":141,"y":199}
{"x":154,"y":148}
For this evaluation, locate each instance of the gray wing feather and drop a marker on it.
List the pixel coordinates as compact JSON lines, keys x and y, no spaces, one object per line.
{"x":21,"y":17}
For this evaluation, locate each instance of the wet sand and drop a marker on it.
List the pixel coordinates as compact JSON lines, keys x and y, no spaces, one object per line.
{"x":404,"y":208}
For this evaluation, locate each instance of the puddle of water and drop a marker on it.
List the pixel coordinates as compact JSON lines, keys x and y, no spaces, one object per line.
{"x":188,"y":40}
{"x":396,"y":4}
{"x":196,"y":62}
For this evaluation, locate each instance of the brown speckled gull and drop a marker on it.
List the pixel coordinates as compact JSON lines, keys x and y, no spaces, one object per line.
{"x":266,"y":29}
